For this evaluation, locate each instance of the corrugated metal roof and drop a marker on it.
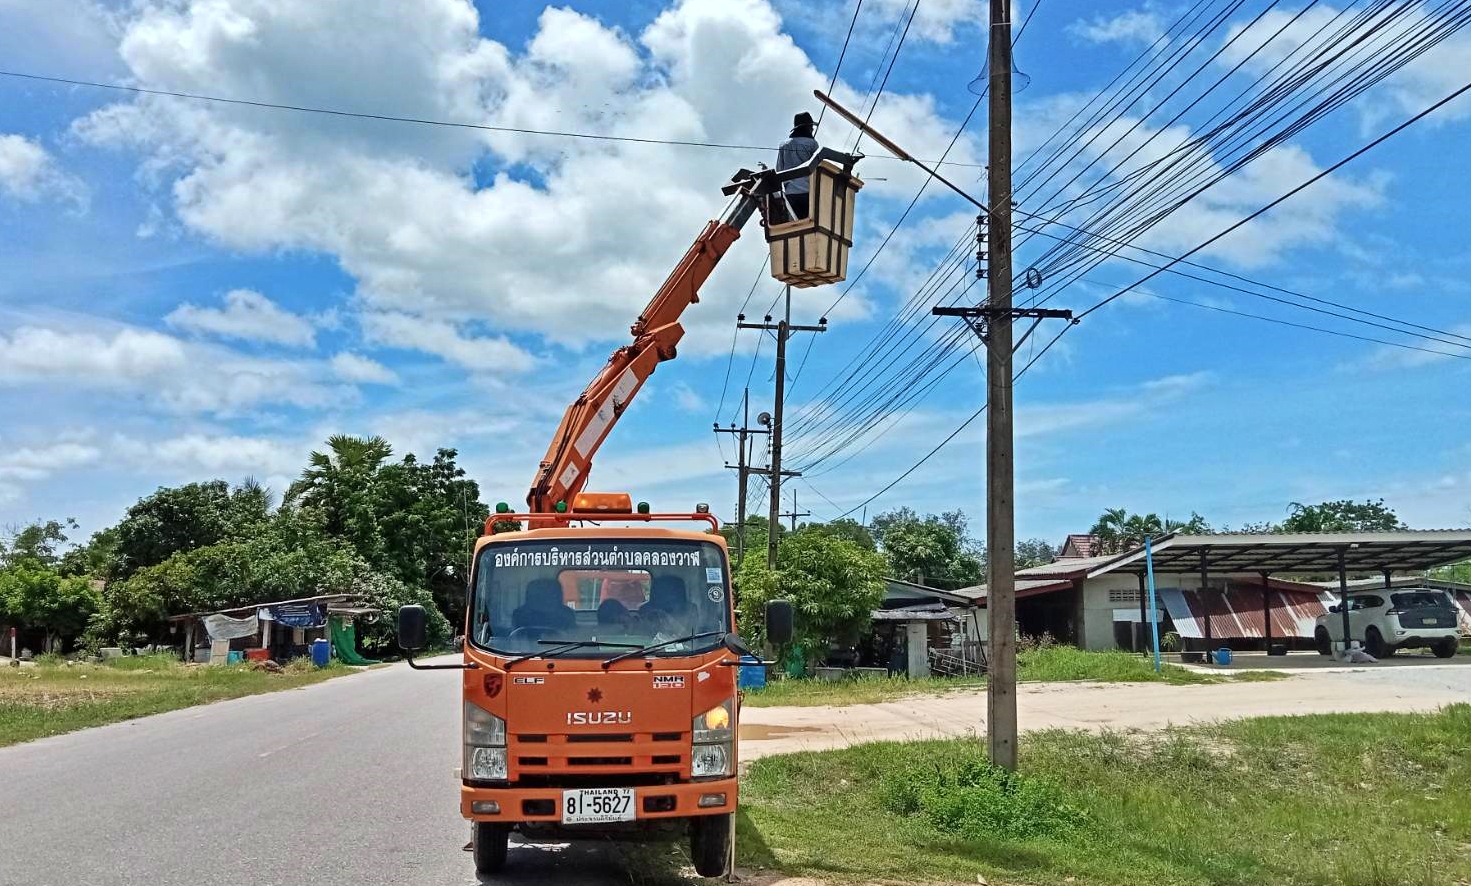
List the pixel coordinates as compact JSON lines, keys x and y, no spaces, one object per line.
{"x":1237,"y":613}
{"x":1301,"y":552}
{"x":1075,"y":567}
{"x":1024,"y":588}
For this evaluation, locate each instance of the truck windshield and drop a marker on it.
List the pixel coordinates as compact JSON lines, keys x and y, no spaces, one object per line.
{"x":531,"y":595}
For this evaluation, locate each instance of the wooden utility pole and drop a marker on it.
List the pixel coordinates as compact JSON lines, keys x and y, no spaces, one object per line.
{"x":783,"y":330}
{"x":1001,"y":724}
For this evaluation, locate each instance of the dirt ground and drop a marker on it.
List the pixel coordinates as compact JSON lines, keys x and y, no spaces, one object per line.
{"x":1100,"y":706}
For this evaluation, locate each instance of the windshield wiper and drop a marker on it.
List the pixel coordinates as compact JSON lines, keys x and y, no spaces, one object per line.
{"x":562,"y":646}
{"x":635,"y":652}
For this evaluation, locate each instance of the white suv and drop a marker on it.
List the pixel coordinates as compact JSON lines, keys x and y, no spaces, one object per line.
{"x":1388,"y":620}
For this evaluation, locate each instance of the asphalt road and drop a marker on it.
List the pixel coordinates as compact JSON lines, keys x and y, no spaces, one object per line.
{"x":345,"y":782}
{"x":351,"y":781}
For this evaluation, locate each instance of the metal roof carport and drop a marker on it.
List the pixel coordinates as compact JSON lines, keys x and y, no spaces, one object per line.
{"x":1292,"y":554}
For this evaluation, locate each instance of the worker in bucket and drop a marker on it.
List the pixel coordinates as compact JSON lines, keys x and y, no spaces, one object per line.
{"x":796,"y":150}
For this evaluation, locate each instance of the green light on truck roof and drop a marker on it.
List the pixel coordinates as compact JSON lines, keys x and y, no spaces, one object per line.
{"x":502,"y":508}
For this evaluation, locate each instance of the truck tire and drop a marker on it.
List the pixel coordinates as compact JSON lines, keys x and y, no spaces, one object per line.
{"x":1374,"y":643}
{"x":488,"y":844}
{"x":1445,"y":647}
{"x":1325,"y":645}
{"x":710,"y":844}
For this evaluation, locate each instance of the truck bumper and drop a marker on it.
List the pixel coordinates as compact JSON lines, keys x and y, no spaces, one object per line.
{"x":650,"y":802}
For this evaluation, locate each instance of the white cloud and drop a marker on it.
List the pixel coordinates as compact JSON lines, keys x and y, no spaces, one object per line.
{"x":31,"y":464}
{"x":37,"y":354}
{"x":569,"y":247}
{"x":352,"y":367}
{"x":1437,"y":73}
{"x":687,"y":399}
{"x":1309,"y":218}
{"x":212,"y":453}
{"x":1133,"y":26}
{"x":159,"y":369}
{"x":441,"y":338}
{"x":936,"y":21}
{"x":29,"y":173}
{"x":1434,"y":352}
{"x":247,"y":315}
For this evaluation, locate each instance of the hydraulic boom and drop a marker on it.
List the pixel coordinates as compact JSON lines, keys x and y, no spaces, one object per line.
{"x":563,"y":472}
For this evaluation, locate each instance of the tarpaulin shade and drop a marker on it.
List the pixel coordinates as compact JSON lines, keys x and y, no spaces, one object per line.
{"x":1237,"y":613}
{"x":223,"y":627}
{"x":296,"y":615}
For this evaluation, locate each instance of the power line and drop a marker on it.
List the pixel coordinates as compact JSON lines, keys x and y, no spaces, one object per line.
{"x":841,"y":54}
{"x":1316,"y":178}
{"x":419,"y":121}
{"x":953,"y":434}
{"x":892,"y":61}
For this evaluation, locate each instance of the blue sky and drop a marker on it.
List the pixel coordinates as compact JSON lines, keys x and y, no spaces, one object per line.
{"x":192,"y":291}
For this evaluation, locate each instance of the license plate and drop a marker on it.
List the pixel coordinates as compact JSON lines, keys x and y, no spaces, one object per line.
{"x":1431,"y":621}
{"x":597,"y":805}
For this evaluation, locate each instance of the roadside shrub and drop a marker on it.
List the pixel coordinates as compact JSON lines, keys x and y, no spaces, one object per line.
{"x":973,"y":799}
{"x":49,"y":660}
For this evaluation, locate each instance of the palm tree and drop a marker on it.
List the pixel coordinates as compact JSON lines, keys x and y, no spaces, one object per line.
{"x":1109,"y":530}
{"x":349,"y":458}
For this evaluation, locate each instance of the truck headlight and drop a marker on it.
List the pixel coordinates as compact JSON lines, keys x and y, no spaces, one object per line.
{"x":484,"y":745}
{"x":710,"y":760}
{"x":715,"y":724}
{"x":713,"y":742}
{"x":485,"y":764}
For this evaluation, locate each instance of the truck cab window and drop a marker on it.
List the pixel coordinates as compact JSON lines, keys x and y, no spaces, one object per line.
{"x":615,"y":591}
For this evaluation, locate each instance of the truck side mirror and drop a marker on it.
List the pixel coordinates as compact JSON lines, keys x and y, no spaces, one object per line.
{"x":779,"y":622}
{"x":411,"y":631}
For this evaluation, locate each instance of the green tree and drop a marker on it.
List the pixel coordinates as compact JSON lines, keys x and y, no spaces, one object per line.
{"x":845,"y":528}
{"x":96,"y":558}
{"x":757,"y":533}
{"x":412,"y":520}
{"x":1341,"y":516}
{"x":40,"y":598}
{"x":1117,"y":530}
{"x":834,"y":586}
{"x":934,"y":550}
{"x":1034,"y":552}
{"x":37,"y":543}
{"x":183,"y":518}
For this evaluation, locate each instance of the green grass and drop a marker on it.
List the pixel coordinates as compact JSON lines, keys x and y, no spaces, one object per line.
{"x":1035,"y":665}
{"x":52,"y":698}
{"x":1336,"y":800}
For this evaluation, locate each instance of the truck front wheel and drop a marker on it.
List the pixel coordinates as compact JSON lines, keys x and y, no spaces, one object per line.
{"x":488,"y":844}
{"x":710,"y":844}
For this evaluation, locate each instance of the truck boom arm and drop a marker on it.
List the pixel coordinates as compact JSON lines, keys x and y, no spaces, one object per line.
{"x":586,"y":423}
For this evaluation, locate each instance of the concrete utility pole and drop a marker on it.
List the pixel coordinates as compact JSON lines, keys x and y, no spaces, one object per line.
{"x":783,"y":330}
{"x":743,"y":468}
{"x":794,"y":514}
{"x":1001,"y":725}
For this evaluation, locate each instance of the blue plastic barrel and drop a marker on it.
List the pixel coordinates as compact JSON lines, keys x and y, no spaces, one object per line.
{"x":321,"y":652}
{"x":753,"y":673}
{"x":1223,"y":656}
